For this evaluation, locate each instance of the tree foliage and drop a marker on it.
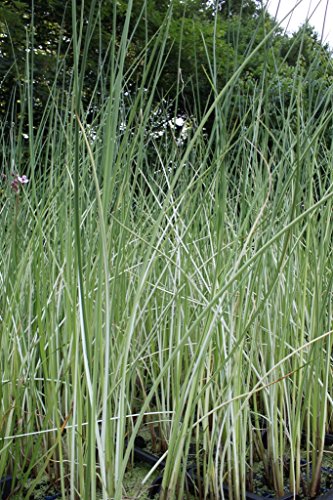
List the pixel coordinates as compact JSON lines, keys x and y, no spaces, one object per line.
{"x":206,"y":41}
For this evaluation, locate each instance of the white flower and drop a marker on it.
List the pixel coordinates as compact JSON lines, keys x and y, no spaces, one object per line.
{"x":23,"y":180}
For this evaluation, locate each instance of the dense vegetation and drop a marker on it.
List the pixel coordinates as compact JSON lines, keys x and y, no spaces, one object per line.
{"x":36,"y":42}
{"x":166,"y":257}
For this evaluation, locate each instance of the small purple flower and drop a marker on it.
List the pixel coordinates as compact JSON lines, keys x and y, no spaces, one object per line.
{"x":15,"y":184}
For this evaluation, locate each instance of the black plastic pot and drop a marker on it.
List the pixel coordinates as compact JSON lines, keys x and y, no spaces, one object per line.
{"x":5,"y":486}
{"x":329,"y":439}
